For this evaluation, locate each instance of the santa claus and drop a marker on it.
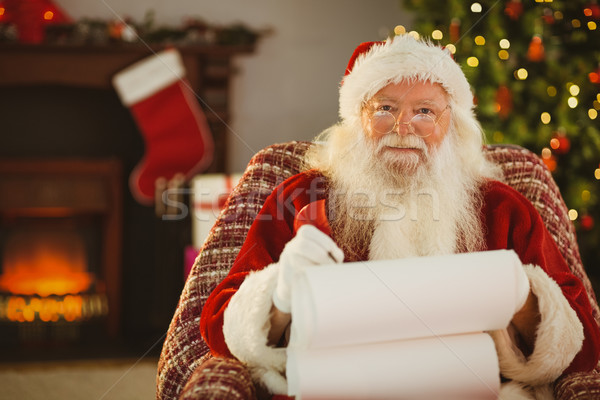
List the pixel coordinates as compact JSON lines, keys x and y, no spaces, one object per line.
{"x":402,"y":174}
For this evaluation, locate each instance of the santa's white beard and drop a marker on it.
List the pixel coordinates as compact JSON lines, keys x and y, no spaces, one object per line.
{"x":404,"y":203}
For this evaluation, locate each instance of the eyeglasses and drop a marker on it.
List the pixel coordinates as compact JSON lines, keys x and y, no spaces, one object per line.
{"x":422,"y":125}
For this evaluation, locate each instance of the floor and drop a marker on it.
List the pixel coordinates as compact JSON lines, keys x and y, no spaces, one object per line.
{"x":80,"y":380}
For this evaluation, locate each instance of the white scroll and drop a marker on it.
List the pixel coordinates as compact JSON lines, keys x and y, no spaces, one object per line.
{"x":410,"y":329}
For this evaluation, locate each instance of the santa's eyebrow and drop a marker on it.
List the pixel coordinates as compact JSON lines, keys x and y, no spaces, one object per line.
{"x":381,"y":99}
{"x":427,"y":102}
{"x":423,"y":101}
{"x":437,"y":106}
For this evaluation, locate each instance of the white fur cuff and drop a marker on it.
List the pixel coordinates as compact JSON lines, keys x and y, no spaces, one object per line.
{"x":559,"y":336}
{"x":246,"y":324}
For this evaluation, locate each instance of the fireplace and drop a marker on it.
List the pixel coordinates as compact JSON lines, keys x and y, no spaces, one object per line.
{"x":60,"y":250}
{"x":66,"y":152}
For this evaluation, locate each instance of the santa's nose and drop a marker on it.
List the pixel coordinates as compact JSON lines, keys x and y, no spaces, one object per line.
{"x":403,"y":127}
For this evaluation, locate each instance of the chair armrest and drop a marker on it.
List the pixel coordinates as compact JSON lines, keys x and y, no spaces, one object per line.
{"x":219,"y":379}
{"x":578,"y":386}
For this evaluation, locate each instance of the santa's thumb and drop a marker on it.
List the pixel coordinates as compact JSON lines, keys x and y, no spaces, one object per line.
{"x":522,"y":287}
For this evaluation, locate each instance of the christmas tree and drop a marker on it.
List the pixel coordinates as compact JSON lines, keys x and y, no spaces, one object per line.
{"x":535,"y":69}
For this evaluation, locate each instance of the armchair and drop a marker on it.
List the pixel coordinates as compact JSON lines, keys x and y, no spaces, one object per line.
{"x":185,"y":360}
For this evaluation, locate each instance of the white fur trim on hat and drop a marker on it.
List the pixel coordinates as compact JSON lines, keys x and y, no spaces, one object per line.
{"x":559,"y":336}
{"x":401,"y":57}
{"x":246,"y":326}
{"x":148,"y":76}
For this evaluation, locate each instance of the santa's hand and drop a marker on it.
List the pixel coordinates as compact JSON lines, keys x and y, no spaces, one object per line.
{"x":523,"y":288}
{"x":310,"y":246}
{"x":527,"y":317}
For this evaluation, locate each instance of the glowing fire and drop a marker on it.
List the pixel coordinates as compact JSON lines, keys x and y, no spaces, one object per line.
{"x":51,"y":309}
{"x":44,"y":264}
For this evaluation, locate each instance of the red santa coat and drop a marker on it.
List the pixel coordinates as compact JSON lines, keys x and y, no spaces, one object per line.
{"x":510,"y":221}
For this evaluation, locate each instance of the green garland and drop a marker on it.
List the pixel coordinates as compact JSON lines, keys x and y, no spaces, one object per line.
{"x":194,"y":31}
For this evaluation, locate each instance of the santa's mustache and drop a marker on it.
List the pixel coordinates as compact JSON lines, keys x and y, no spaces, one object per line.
{"x":402,"y":142}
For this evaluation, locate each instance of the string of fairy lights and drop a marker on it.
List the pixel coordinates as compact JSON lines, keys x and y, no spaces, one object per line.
{"x":560,"y":143}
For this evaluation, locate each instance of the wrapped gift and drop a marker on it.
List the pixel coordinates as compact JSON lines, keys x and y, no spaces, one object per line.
{"x":209,"y":194}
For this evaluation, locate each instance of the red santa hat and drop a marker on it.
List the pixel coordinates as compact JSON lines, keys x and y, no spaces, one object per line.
{"x":374,"y":65}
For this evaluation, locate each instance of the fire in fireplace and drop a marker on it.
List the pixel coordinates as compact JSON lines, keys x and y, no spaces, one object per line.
{"x":45,"y":263}
{"x":45,"y":276}
{"x":59,"y":248}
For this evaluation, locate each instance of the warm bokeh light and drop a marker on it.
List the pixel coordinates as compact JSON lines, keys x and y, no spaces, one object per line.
{"x":414,"y":34}
{"x":550,"y":163}
{"x":585,"y":195}
{"x":451,"y":48}
{"x":554,"y":143}
{"x":576,"y":23}
{"x":476,"y":8}
{"x":551,"y":90}
{"x":521,"y":74}
{"x":592,"y":25}
{"x":503,"y":55}
{"x":574,"y":90}
{"x":479,"y":40}
{"x":545,"y":117}
{"x":437,"y":34}
{"x":573,"y":214}
{"x":504,"y":44}
{"x":572,"y":102}
{"x":48,"y":15}
{"x":472,"y":62}
{"x":399,"y":30}
{"x":593,"y":114}
{"x":546,"y":153}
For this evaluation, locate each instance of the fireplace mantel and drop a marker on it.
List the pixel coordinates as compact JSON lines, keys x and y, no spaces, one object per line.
{"x":94,"y":65}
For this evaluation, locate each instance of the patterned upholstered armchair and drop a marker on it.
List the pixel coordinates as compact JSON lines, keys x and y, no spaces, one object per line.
{"x":185,"y":363}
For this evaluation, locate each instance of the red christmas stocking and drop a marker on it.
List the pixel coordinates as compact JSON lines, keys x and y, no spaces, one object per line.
{"x":177,"y":137}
